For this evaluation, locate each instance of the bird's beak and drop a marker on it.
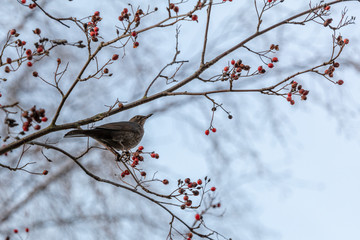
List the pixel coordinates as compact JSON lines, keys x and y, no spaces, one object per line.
{"x":149,"y":115}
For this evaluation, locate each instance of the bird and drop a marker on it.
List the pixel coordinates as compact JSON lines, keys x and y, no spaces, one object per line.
{"x":118,"y":135}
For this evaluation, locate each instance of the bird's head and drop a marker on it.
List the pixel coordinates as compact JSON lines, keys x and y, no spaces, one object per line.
{"x":140,"y":119}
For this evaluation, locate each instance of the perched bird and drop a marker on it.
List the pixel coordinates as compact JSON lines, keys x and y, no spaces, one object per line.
{"x":119,"y":135}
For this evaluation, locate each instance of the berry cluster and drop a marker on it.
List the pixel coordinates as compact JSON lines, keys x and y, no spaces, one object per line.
{"x":124,"y":15}
{"x":296,"y":89}
{"x":35,"y":115}
{"x":92,"y":26}
{"x":136,"y":159}
{"x":330,"y":71}
{"x":235,"y":71}
{"x":18,"y":43}
{"x":340,"y":41}
{"x":16,"y":231}
{"x":188,"y":188}
{"x":174,"y":8}
{"x":261,"y":70}
{"x":31,"y":5}
{"x":207,"y":131}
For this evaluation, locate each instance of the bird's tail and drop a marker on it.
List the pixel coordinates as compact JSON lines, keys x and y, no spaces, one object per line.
{"x":77,"y":133}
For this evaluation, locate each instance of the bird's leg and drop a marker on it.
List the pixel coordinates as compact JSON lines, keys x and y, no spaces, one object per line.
{"x":126,"y":155}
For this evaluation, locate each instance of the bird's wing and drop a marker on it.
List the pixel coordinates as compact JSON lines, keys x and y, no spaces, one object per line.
{"x":120,"y":129}
{"x":126,"y":126}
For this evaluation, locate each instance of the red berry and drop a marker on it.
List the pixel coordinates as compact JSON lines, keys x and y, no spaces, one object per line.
{"x":207,"y":132}
{"x":92,"y":34}
{"x":97,"y":13}
{"x":340,"y":82}
{"x":23,"y":1}
{"x":186,"y":197}
{"x":16,"y":231}
{"x":346,"y":41}
{"x":134,"y":34}
{"x":289,"y":94}
{"x":188,"y":203}
{"x":45,"y":172}
{"x":141,"y":148}
{"x":269,"y":1}
{"x":153,"y":155}
{"x":176,"y":9}
{"x":226,"y":69}
{"x":270,"y":65}
{"x":28,"y":52}
{"x":199,"y":181}
{"x":29,"y":64}
{"x":115,"y":57}
{"x":233,"y":62}
{"x":143,"y":174}
{"x":165,"y":181}
{"x":197,"y":217}
{"x":288,"y":99}
{"x":125,"y":10}
{"x":274,"y":59}
{"x":260,"y":68}
{"x":26,"y":229}
{"x":37,"y":127}
{"x":292,"y":102}
{"x":40,"y":49}
{"x":213,"y":129}
{"x":44,"y":119}
{"x":13,"y":31}
{"x":194,"y":17}
{"x":121,"y":18}
{"x":213,"y":189}
{"x":136,"y":44}
{"x":187,"y":180}
{"x":8,"y":60}
{"x":96,"y":29}
{"x":327,"y":8}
